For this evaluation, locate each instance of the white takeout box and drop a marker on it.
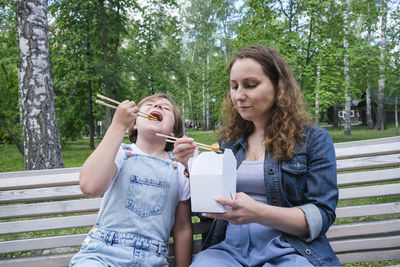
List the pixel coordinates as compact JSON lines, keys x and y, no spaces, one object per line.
{"x":212,"y":175}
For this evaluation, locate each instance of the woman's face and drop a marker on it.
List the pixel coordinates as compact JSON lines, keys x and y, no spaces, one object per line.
{"x":252,"y":92}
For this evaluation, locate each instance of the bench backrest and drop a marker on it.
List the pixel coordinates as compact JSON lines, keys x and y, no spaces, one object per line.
{"x":44,"y":213}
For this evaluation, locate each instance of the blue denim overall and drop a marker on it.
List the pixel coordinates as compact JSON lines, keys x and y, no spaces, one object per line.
{"x":136,"y":217}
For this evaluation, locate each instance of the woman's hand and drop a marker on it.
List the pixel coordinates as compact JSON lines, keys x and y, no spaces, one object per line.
{"x":183,"y":150}
{"x":242,"y":210}
{"x":245,"y":209}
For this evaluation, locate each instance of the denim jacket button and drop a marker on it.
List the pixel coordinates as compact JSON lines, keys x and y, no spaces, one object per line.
{"x":308,"y":252}
{"x":271,"y":171}
{"x":274,"y":202}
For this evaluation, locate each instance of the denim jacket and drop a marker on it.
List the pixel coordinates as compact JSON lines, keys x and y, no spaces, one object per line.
{"x":307,"y":181}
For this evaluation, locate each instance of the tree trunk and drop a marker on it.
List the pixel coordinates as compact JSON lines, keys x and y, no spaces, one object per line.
{"x":335,"y":117}
{"x":203,"y":94}
{"x":17,"y":142}
{"x":115,"y":52}
{"x":188,"y":86}
{"x":108,"y":118}
{"x":190,"y":97}
{"x":91,"y":122}
{"x":90,"y":102}
{"x":208,"y":87}
{"x":226,"y":42}
{"x":42,"y":148}
{"x":347,"y":109}
{"x":370,"y":123}
{"x":185,"y":129}
{"x":396,"y":117}
{"x":316,"y":120}
{"x":380,"y":118}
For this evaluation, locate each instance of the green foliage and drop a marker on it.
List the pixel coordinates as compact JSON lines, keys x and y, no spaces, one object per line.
{"x":152,"y":55}
{"x":11,"y":128}
{"x":152,"y":49}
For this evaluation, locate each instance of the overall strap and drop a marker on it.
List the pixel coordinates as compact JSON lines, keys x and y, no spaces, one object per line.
{"x":171,"y":155}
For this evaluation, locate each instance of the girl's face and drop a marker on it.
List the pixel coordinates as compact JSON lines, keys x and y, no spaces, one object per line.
{"x":162,"y":109}
{"x":252,"y":92}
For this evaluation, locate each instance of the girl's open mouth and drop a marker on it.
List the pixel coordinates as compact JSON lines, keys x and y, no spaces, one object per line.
{"x":157,"y":114}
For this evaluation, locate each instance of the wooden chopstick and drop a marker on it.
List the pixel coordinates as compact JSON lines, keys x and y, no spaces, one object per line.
{"x":172,"y":139}
{"x":105,"y":104}
{"x":109,"y":99}
{"x":140,"y":113}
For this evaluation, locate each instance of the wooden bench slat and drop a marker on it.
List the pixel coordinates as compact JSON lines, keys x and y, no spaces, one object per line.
{"x":41,"y":243}
{"x":368,"y":162}
{"x":74,"y":192}
{"x":368,"y":177}
{"x":57,"y":260}
{"x":368,"y":210}
{"x":368,"y":142}
{"x":38,"y":172}
{"x":369,"y":191}
{"x":49,"y":180}
{"x":66,"y":222}
{"x":368,"y":256}
{"x":36,"y":194}
{"x":392,"y":160}
{"x":349,"y":230}
{"x":367,"y":151}
{"x":61,"y":241}
{"x":387,"y":242}
{"x":50,"y":208}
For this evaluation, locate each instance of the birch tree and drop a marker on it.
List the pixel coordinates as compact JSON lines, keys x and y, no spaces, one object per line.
{"x":42,"y":149}
{"x":368,"y":90}
{"x":370,"y":20}
{"x":347,"y":122}
{"x":380,"y":118}
{"x":318,"y":87}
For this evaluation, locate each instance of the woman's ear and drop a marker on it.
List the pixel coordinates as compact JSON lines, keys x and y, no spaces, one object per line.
{"x":172,"y":134}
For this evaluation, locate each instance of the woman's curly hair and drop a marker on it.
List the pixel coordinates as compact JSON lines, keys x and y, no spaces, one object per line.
{"x":287,"y":115}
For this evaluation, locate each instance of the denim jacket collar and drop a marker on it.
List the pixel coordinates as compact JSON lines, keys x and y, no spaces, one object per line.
{"x":239,"y":148}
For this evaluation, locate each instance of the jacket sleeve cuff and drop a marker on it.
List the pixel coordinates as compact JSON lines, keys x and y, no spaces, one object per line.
{"x":314,"y":221}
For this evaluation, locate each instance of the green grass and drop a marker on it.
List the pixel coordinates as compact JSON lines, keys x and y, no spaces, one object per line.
{"x":360,"y":132}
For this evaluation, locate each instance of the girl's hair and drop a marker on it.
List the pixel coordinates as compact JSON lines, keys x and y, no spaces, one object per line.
{"x":287,"y":116}
{"x":178,"y":125}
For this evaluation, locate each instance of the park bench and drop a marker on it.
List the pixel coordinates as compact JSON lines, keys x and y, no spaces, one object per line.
{"x":44,"y":217}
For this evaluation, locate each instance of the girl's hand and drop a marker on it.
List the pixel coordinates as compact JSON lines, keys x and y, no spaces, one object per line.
{"x":183,"y":150}
{"x":242,"y":210}
{"x":125,"y":115}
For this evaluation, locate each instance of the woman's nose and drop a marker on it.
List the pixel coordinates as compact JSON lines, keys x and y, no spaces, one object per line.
{"x":239,"y":94}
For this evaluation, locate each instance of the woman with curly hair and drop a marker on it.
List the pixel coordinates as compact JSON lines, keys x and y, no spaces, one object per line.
{"x":286,"y":172}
